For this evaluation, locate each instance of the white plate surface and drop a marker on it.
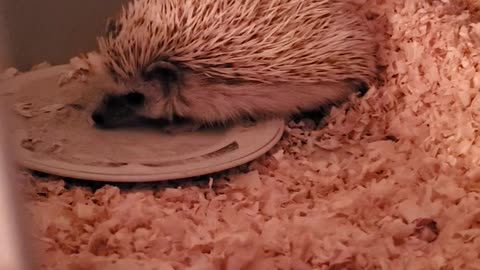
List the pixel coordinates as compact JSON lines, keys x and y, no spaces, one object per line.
{"x":52,"y":134}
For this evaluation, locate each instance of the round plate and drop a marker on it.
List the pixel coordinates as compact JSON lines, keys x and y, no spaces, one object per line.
{"x":53,"y":135}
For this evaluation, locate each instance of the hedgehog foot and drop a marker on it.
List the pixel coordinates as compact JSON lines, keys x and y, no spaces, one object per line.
{"x":313,"y":119}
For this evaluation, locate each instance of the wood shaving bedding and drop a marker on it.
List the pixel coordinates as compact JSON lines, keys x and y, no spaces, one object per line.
{"x":391,"y":181}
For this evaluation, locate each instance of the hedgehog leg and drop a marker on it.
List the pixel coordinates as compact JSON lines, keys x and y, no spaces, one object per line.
{"x":361,"y":88}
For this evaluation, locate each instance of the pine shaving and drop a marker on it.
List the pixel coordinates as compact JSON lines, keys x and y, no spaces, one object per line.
{"x":391,"y":183}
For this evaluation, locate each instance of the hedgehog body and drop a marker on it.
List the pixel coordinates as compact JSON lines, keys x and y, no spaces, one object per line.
{"x":214,"y":61}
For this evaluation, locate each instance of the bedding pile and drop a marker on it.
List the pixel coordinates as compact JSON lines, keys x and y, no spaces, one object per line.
{"x":391,"y":180}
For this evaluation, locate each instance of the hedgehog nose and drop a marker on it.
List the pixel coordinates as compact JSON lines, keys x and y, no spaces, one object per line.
{"x":98,"y":118}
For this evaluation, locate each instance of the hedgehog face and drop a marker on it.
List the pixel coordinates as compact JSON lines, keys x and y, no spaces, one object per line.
{"x":150,"y":95}
{"x":117,"y":110}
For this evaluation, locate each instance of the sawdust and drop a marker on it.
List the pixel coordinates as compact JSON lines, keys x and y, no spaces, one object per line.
{"x":391,"y":183}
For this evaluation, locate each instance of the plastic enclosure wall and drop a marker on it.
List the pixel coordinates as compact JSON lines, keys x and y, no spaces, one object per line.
{"x":12,"y":241}
{"x":5,"y":58}
{"x":54,"y":30}
{"x":11,"y":237}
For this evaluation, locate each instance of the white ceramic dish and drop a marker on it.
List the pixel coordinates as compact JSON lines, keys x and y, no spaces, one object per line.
{"x":53,"y":135}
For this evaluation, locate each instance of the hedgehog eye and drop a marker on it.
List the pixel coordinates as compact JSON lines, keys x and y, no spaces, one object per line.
{"x":135,"y":99}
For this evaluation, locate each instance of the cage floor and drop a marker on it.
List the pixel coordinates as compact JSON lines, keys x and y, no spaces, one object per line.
{"x":391,"y":183}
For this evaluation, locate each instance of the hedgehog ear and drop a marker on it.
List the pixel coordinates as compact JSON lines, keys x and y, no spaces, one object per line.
{"x":164,"y":72}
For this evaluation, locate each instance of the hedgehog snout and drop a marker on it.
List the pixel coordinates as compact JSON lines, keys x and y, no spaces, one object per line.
{"x":115,"y":111}
{"x":108,"y":119}
{"x":97,"y":118}
{"x":102,"y":118}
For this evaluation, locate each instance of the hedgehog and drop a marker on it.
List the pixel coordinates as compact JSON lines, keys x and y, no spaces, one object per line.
{"x":214,"y":62}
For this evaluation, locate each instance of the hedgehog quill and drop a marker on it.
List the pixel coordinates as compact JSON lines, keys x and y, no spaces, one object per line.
{"x":214,"y":62}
